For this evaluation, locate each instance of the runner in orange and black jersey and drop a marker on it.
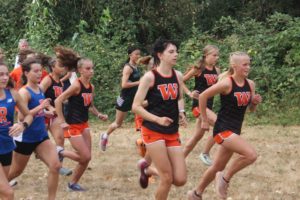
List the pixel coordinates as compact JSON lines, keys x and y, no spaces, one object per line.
{"x":79,"y":105}
{"x":54,"y":90}
{"x":162,"y":88}
{"x":237,"y":93}
{"x":205,"y":74}
{"x":76,"y":128}
{"x":233,"y":108}
{"x":206,"y":79}
{"x":164,"y":93}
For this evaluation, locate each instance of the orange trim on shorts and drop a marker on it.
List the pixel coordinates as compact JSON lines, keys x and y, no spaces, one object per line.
{"x":138,"y":122}
{"x":75,"y":130}
{"x":149,"y":136}
{"x":196,"y":112}
{"x":220,"y":137}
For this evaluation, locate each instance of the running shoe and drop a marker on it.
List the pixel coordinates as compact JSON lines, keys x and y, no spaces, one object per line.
{"x":103,"y":142}
{"x":13,"y":183}
{"x":75,"y":187}
{"x":144,"y":178}
{"x":221,"y":185}
{"x":205,"y":158}
{"x":192,"y":195}
{"x":65,"y":171}
{"x":59,"y":151}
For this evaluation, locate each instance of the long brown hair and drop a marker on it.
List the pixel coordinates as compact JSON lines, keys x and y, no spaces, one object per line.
{"x":67,"y":57}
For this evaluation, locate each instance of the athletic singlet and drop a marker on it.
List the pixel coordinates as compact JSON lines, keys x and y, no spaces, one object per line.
{"x":7,"y":110}
{"x":79,"y":105}
{"x":36,"y":132}
{"x":233,"y":108}
{"x":163,"y":102}
{"x":134,"y":76}
{"x":205,"y":80}
{"x":55,"y":89}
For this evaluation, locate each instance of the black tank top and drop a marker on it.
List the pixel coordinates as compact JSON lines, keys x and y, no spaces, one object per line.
{"x":55,"y":89}
{"x":134,"y":76}
{"x":205,"y":80}
{"x":163,"y":102}
{"x":233,"y":108}
{"x":79,"y":105}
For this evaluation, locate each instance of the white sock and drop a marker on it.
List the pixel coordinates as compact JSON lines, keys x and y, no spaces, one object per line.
{"x":105,"y":135}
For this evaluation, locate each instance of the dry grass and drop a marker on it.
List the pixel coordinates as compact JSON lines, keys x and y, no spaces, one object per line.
{"x":113,"y":174}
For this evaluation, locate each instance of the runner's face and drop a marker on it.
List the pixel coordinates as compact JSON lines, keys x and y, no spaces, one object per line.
{"x":135,"y":55}
{"x":23,"y":45}
{"x":242,"y":66}
{"x":87,"y":69}
{"x":35,"y":73}
{"x":59,"y":69}
{"x":212,"y":58}
{"x":4,"y":76}
{"x":169,"y":55}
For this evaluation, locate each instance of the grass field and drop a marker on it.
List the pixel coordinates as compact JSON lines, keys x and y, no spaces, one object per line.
{"x":113,"y":174}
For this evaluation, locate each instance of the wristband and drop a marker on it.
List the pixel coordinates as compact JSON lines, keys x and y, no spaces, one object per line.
{"x":25,"y":124}
{"x":181,"y":110}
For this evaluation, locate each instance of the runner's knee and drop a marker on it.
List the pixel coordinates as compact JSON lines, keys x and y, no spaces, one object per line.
{"x":251,"y":156}
{"x":54,"y":166}
{"x":179,"y":181}
{"x":85,"y":158}
{"x":166,"y":178}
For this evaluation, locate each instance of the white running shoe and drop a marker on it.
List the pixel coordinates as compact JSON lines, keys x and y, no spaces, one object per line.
{"x":205,"y":158}
{"x":59,"y":151}
{"x":221,"y":185}
{"x":65,"y":171}
{"x":13,"y":183}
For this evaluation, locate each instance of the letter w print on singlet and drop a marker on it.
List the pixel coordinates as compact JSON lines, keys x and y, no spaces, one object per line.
{"x":3,"y":113}
{"x":242,"y":98}
{"x":57,"y":90}
{"x":168,"y":91}
{"x":210,"y":79}
{"x":87,"y":98}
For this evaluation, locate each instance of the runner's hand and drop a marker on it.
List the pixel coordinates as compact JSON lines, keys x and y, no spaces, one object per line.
{"x":16,"y":129}
{"x":164,"y":121}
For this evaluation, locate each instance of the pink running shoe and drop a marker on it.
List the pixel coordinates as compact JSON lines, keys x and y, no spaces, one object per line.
{"x":144,"y":178}
{"x":221,"y":185}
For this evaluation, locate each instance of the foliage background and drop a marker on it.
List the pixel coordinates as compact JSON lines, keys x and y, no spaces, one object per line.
{"x":102,"y":30}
